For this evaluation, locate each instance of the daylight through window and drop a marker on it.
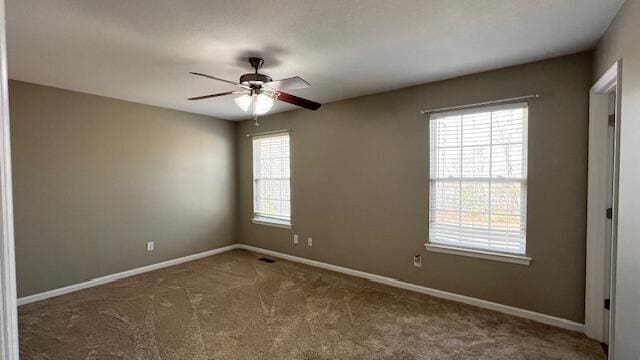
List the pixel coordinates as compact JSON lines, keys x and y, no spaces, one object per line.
{"x":271,"y":179}
{"x":478,"y":179}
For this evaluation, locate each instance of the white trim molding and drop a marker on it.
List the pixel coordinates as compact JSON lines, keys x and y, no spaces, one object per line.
{"x":121,"y":275}
{"x":505,"y":309}
{"x":8,"y":309}
{"x":480,"y":254}
{"x":598,"y":198}
{"x":270,"y":222}
{"x":527,"y":314}
{"x":608,"y":81}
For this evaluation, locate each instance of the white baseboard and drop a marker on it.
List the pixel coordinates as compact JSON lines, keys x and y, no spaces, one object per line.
{"x":113,"y":277}
{"x":527,"y":314}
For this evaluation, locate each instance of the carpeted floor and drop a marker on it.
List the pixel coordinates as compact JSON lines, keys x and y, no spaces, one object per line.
{"x":232,"y":306}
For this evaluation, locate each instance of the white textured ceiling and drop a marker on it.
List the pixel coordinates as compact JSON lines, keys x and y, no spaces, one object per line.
{"x":142,"y":50}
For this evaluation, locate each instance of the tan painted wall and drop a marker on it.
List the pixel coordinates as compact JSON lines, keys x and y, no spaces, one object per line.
{"x":622,"y":41}
{"x":359,"y":186}
{"x":96,"y":178}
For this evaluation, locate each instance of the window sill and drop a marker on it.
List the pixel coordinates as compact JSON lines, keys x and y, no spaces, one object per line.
{"x":514,"y":259}
{"x":271,"y":222}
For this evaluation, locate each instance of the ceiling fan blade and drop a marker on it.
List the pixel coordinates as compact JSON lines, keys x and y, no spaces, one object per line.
{"x":214,"y":78}
{"x":212,"y":95}
{"x":291,"y":99}
{"x":292,"y":83}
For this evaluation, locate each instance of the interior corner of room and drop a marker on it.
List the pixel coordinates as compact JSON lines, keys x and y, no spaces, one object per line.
{"x":322,"y":213}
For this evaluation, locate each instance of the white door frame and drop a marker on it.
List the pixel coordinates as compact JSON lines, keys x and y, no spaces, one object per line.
{"x":8,"y":306}
{"x":598,"y":197}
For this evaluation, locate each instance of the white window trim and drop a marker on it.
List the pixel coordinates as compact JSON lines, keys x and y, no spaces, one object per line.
{"x":480,"y":254}
{"x":271,"y":222}
{"x":259,"y":219}
{"x":514,"y":258}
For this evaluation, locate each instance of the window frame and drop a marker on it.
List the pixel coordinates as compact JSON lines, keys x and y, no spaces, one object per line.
{"x":478,"y":252}
{"x":262,"y":219}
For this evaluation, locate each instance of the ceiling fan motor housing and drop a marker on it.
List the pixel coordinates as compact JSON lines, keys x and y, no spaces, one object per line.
{"x":254,"y":79}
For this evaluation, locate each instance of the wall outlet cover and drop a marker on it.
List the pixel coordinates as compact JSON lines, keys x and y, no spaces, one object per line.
{"x":150,"y":246}
{"x":310,"y":241}
{"x":417,"y":261}
{"x":295,"y":239}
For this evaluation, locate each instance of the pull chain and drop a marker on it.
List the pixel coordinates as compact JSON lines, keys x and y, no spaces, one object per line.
{"x":254,"y":100}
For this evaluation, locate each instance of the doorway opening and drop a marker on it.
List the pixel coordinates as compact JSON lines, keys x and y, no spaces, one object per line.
{"x":604,"y":134}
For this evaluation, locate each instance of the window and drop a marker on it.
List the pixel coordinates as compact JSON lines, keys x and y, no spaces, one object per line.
{"x":478,"y":181}
{"x":271,"y":180}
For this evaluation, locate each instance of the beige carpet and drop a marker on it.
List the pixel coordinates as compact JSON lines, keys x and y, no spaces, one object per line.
{"x":232,"y":306}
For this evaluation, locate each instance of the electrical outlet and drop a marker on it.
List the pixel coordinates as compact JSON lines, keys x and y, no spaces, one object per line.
{"x":417,"y":260}
{"x":295,"y":239}
{"x":150,"y":246}
{"x":310,"y":241}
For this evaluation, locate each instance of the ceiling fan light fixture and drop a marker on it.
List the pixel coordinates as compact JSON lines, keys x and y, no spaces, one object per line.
{"x":244,"y":102}
{"x":260,"y":104}
{"x":264,"y":103}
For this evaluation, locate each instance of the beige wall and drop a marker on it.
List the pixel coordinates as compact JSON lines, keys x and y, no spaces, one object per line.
{"x":359,"y":186}
{"x":622,"y":41}
{"x":96,"y":178}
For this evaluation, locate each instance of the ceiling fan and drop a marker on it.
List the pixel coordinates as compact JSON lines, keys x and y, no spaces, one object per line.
{"x":258,"y":91}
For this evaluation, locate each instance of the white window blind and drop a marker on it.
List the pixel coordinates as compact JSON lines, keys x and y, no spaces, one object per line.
{"x":478,"y":179}
{"x":271,"y":178}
